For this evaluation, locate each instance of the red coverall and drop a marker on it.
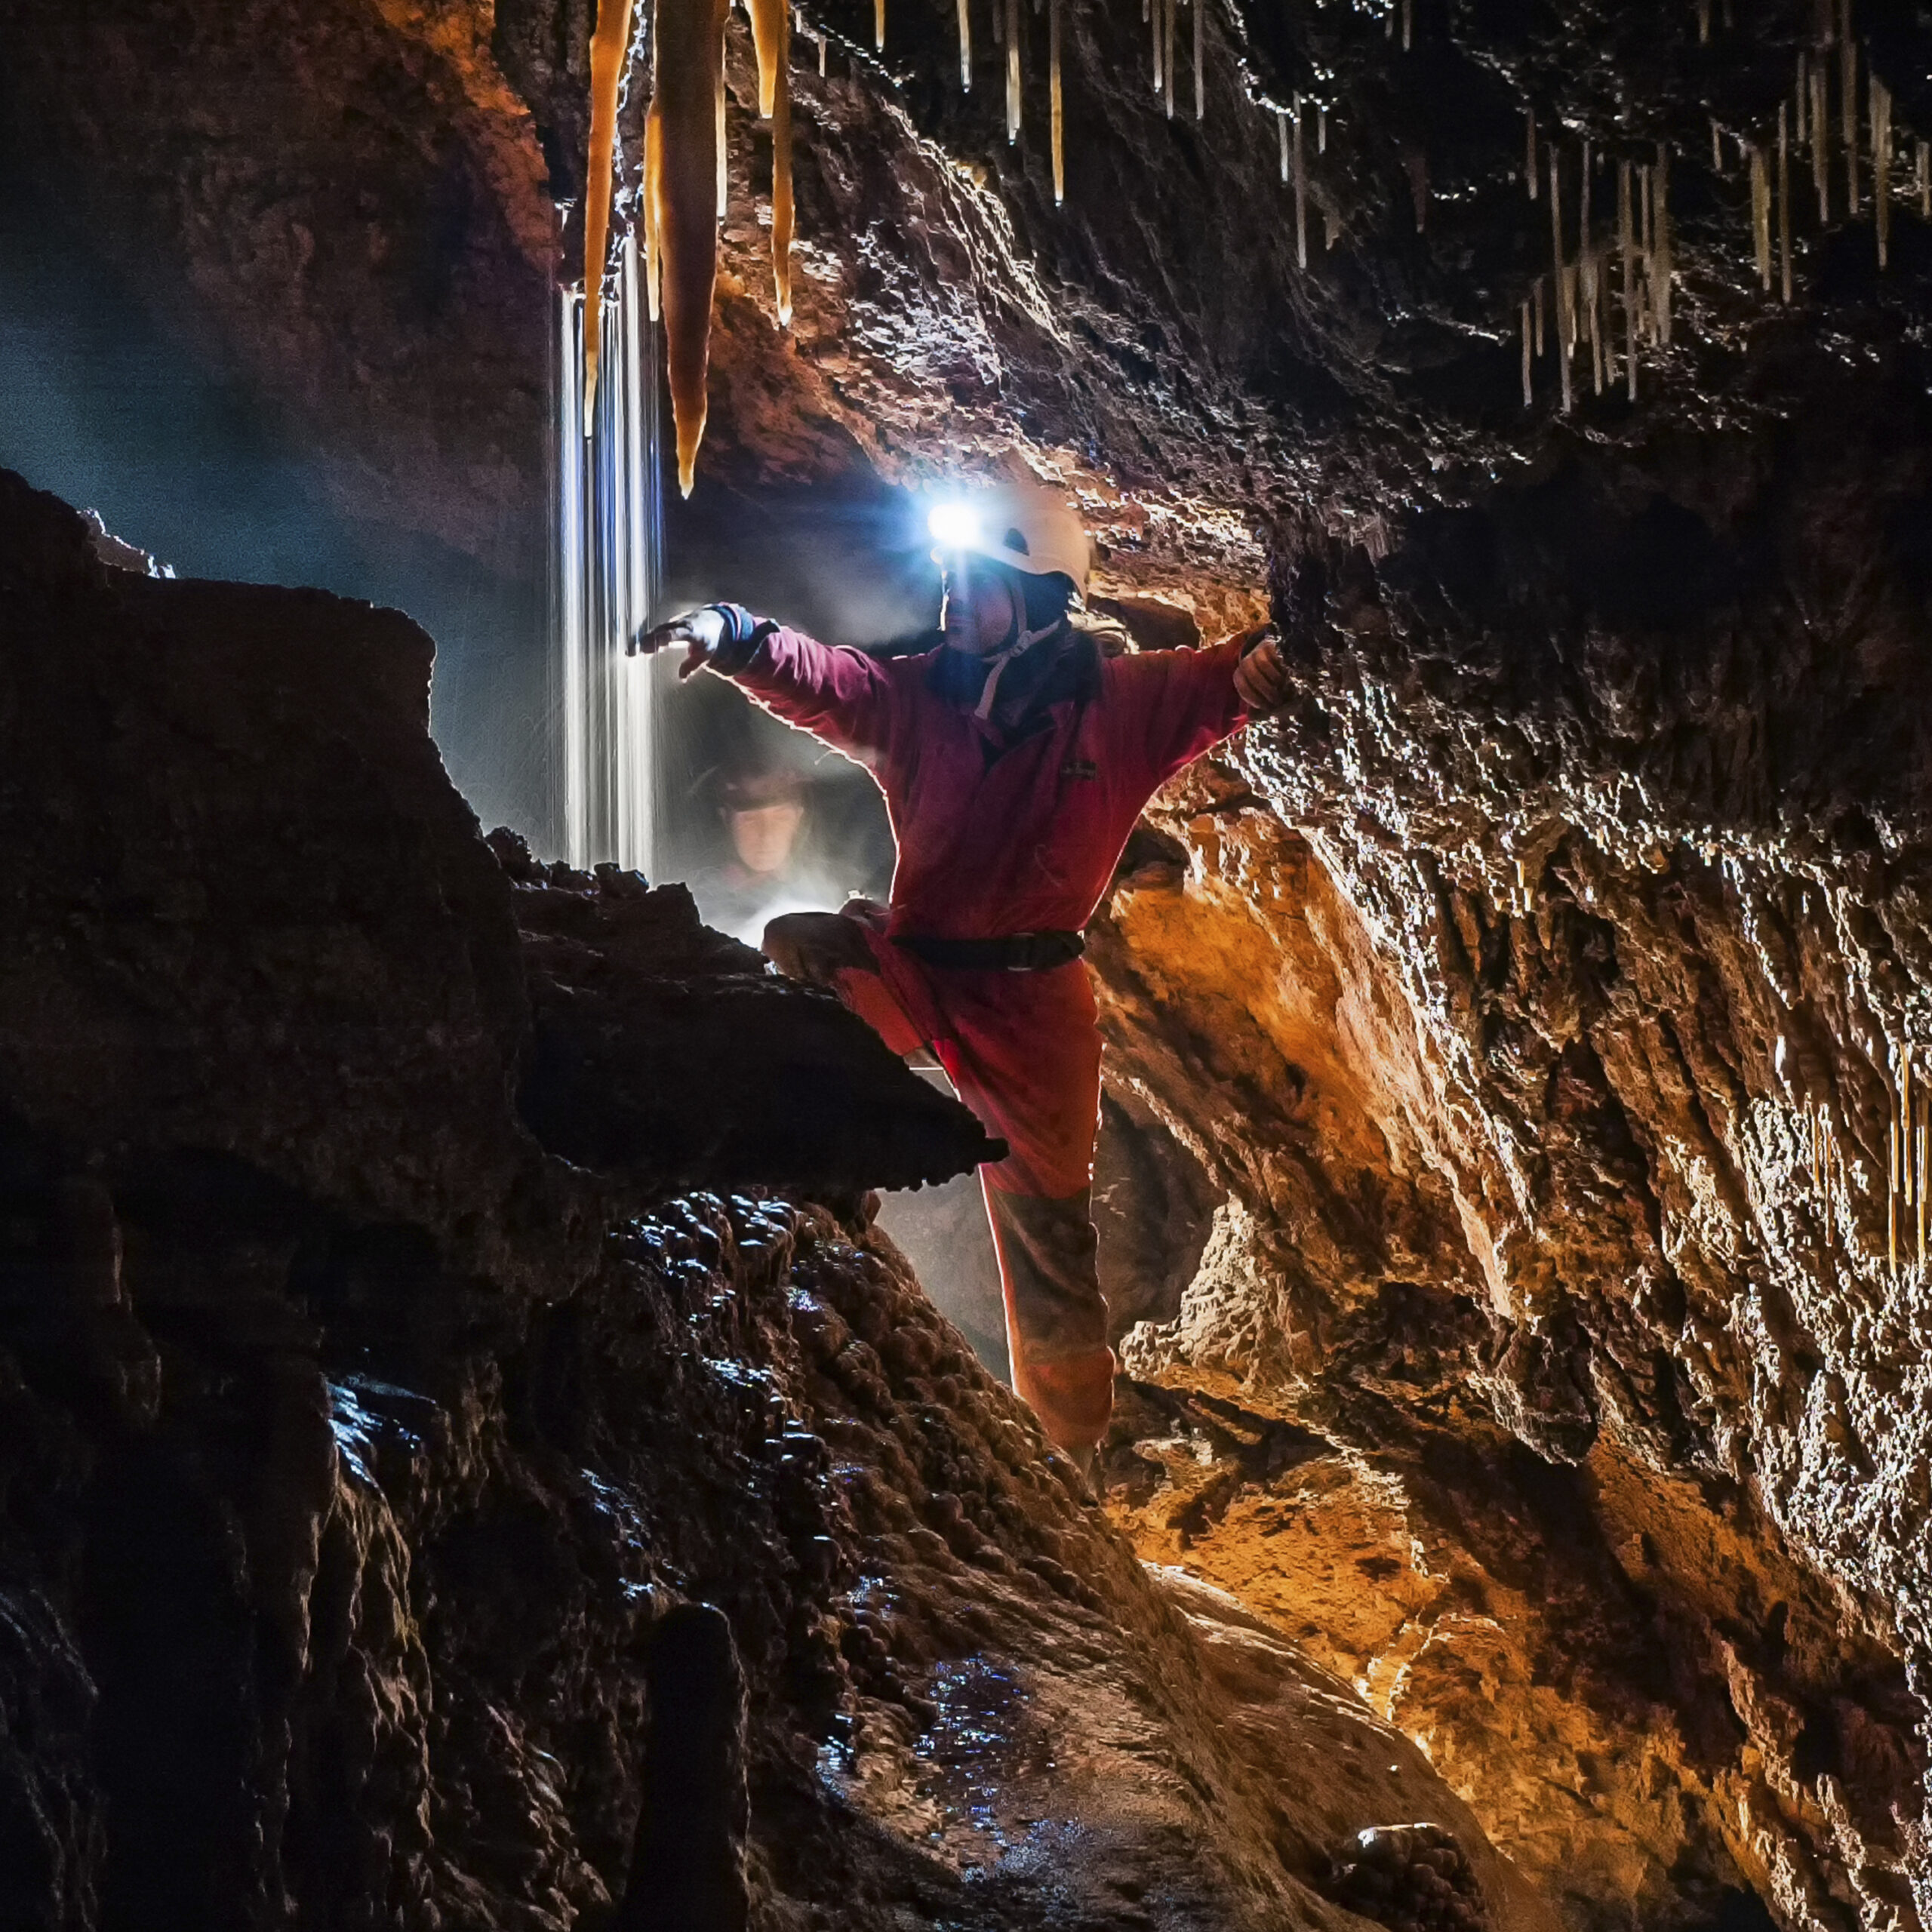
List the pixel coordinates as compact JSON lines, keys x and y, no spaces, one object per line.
{"x":998,"y":836}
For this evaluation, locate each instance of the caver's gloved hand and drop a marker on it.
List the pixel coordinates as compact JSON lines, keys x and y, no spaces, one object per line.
{"x":1261,"y":678}
{"x":722,"y":636}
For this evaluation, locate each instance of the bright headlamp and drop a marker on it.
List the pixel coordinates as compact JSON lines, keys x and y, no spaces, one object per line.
{"x":954,"y":525}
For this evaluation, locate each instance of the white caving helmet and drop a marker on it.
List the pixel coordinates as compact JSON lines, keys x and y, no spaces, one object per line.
{"x":1027,"y":526}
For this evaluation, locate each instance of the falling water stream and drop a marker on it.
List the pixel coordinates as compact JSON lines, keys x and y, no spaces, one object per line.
{"x":607,"y":578}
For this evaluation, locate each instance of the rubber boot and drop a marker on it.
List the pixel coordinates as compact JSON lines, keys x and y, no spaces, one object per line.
{"x":1055,"y":1314}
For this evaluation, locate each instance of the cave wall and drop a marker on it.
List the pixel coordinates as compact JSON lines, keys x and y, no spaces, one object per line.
{"x":1593,"y":1427}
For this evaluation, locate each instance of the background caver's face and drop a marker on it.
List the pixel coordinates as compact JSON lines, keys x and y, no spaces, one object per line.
{"x":763,"y":835}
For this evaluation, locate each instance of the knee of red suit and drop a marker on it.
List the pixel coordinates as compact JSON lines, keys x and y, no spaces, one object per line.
{"x":868,"y":996}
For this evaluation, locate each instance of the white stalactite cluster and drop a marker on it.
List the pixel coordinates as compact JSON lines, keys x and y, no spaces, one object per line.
{"x":1907,"y":1169}
{"x":1864,"y":136}
{"x":1907,"y":1134}
{"x":1599,"y":278}
{"x":1861,"y":135}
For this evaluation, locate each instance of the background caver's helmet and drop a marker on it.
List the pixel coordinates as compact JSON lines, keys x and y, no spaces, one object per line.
{"x":1027,"y":526}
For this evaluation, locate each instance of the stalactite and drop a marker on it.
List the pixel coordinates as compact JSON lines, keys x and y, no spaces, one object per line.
{"x":1155,"y":15}
{"x":1417,"y":167}
{"x":1587,"y":273}
{"x":1301,"y":186}
{"x":999,"y":20}
{"x":1643,"y":214}
{"x":1892,"y":1194}
{"x":1058,"y":107}
{"x":1848,"y":102}
{"x":682,"y":135}
{"x":878,"y":27}
{"x":1281,"y":128}
{"x":1904,"y":1114}
{"x":1200,"y":61}
{"x":1408,"y":23}
{"x":1760,"y":216}
{"x":724,"y":143}
{"x":1663,"y":261}
{"x":1167,"y":54}
{"x":1703,"y":22}
{"x":771,"y":39}
{"x":821,"y":57}
{"x":1801,"y":95}
{"x":1626,"y":243}
{"x":1821,"y":157}
{"x":1537,"y":295}
{"x":1717,"y":150}
{"x":1784,"y":209}
{"x":1566,"y":331}
{"x":608,"y":46}
{"x":1529,"y":391}
{"x":1530,"y":171}
{"x":653,"y":261}
{"x":1012,"y":74}
{"x":1925,"y":180}
{"x":965,"y":46}
{"x":1919,"y":1160}
{"x":1321,"y":130}
{"x":1881,"y":166}
{"x":1599,"y":371}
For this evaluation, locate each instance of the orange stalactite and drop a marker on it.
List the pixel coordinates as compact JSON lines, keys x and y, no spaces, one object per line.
{"x":608,"y":47}
{"x":1058,"y":105}
{"x":1013,"y":76}
{"x":681,"y":142}
{"x":771,"y":36}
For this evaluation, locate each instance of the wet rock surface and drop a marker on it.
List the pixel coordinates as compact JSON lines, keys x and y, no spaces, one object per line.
{"x":400,"y":1525}
{"x":1523,"y":1456}
{"x":1531,"y":1376}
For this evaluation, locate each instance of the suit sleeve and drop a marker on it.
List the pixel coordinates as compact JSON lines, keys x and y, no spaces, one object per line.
{"x":838,"y":694}
{"x":1174,"y":705}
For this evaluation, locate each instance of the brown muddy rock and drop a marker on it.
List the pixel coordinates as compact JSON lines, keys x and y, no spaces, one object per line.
{"x":664,"y":1051}
{"x":1447,"y":1401}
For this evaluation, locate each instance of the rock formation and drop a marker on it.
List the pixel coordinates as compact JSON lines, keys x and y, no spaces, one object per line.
{"x":1529,"y":1005}
{"x":405,"y":1525}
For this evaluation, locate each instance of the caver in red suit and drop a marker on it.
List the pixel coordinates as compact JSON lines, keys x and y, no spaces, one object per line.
{"x":1009,"y":827}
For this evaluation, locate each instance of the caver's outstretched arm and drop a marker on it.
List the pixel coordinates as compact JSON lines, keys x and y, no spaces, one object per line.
{"x":1176,"y":704}
{"x":838,"y":694}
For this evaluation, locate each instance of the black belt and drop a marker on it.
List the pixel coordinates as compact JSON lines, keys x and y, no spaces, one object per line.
{"x":1019,"y":953}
